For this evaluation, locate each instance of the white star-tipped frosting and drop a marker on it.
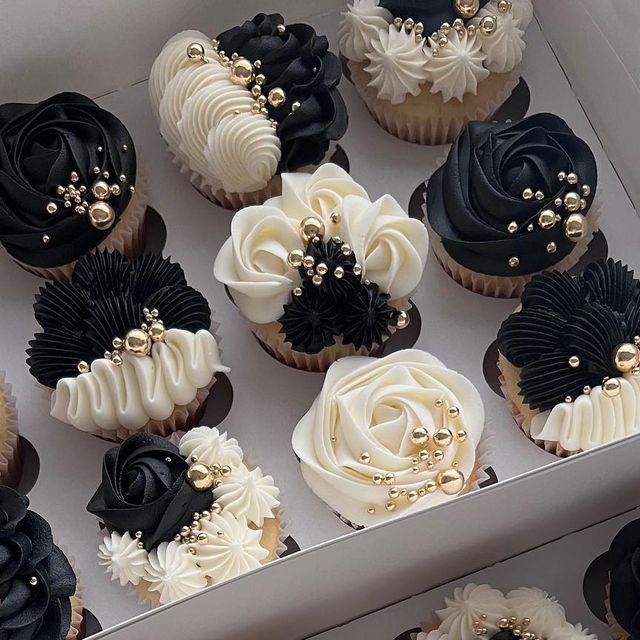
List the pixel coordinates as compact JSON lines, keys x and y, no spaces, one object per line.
{"x":209,"y":446}
{"x":122,"y":558}
{"x":361,"y":23}
{"x":505,"y":46}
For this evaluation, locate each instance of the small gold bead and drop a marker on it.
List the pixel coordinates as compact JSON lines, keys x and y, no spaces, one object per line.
{"x":527,"y":194}
{"x":371,"y":510}
{"x":430,"y":486}
{"x":419,"y":436}
{"x":365,"y":457}
{"x":316,"y":280}
{"x":574,"y":362}
{"x":394,"y":492}
{"x":412,"y":496}
{"x":378,"y":478}
{"x":551,"y":247}
{"x":390,"y":506}
{"x":512,"y":227}
{"x":572,"y":178}
{"x":83,"y":366}
{"x":539,"y":195}
{"x":389,"y":478}
{"x":514,"y":261}
{"x":295,"y":106}
{"x":453,"y":412}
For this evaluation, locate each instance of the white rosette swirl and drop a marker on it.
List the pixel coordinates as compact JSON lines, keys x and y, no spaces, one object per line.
{"x":523,"y":12}
{"x":123,"y":559}
{"x":545,"y":612}
{"x":505,"y":46}
{"x":210,"y":447}
{"x":360,"y":427}
{"x":361,"y":24}
{"x":140,"y":389}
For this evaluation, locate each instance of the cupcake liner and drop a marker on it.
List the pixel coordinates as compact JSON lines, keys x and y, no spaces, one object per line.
{"x":269,"y":336}
{"x":127,"y":236}
{"x":615,"y":629}
{"x":426,"y":119}
{"x":10,"y":449}
{"x":77,"y":614}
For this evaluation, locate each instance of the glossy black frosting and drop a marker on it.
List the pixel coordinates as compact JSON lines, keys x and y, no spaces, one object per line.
{"x":36,"y":579}
{"x":299,"y":62}
{"x":40,"y":145}
{"x":104,"y":300}
{"x":624,"y":578}
{"x":144,"y":488}
{"x":477,"y":193}
{"x":433,"y":13}
{"x":588,"y":316}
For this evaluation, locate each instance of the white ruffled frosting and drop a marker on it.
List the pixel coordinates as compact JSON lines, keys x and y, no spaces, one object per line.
{"x":459,"y":66}
{"x":233,"y":547}
{"x":111,"y":397}
{"x":173,"y":573}
{"x":544,"y":611}
{"x":210,"y":447}
{"x":122,"y":558}
{"x":361,"y":24}
{"x":371,"y":406}
{"x":592,"y":420}
{"x":397,"y":64}
{"x":505,"y":46}
{"x":522,"y":12}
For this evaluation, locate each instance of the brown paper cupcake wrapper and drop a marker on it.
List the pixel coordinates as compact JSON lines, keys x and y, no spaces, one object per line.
{"x":10,"y":450}
{"x":273,"y":342}
{"x":77,"y":613}
{"x":425,"y":118}
{"x":127,"y":236}
{"x":616,"y":630}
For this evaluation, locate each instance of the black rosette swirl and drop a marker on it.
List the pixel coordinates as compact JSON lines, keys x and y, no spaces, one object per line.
{"x":36,"y":579}
{"x":48,"y":152}
{"x":512,"y":199}
{"x":105,"y":299}
{"x":573,"y":333}
{"x":296,"y":60}
{"x":145,"y":489}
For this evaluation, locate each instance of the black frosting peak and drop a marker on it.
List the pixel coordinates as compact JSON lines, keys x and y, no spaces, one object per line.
{"x":432,"y":14}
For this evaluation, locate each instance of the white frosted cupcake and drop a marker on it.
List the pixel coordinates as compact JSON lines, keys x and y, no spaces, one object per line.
{"x":391,"y":436}
{"x":322,"y":272}
{"x":425,"y":69}
{"x":180,"y":518}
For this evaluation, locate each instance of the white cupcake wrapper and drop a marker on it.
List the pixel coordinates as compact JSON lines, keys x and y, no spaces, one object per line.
{"x":10,"y":454}
{"x":615,"y":629}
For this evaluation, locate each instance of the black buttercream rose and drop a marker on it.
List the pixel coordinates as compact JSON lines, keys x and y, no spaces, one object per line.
{"x":298,"y":61}
{"x":476,"y":195}
{"x":36,"y":580}
{"x":432,"y":14}
{"x":144,"y":488}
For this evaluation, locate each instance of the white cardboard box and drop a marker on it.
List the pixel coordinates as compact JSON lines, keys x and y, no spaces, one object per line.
{"x":107,"y":48}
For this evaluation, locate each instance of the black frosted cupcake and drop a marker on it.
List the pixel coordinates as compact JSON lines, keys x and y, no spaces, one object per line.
{"x":512,"y":200}
{"x":69,"y":184}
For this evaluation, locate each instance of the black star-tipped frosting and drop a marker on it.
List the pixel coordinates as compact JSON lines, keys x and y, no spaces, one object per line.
{"x":41,"y":146}
{"x":432,"y":14}
{"x":482,"y":202}
{"x":586,"y":318}
{"x":297,"y":60}
{"x":104,"y":300}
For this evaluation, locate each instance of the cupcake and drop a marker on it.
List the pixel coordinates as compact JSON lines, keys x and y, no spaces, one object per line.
{"x":322,"y":272}
{"x":37,"y":582}
{"x":125,"y":347}
{"x":259,"y":100}
{"x":510,"y":201}
{"x":179,"y":518}
{"x":481,"y":611}
{"x":391,"y":436}
{"x":10,"y":450}
{"x":570,"y":358}
{"x":69,"y":184}
{"x":425,"y":69}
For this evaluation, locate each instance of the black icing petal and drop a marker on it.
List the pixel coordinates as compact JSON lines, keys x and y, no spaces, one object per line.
{"x":632,"y":319}
{"x":624,"y":577}
{"x":611,"y":283}
{"x":553,"y":291}
{"x":60,"y":305}
{"x":432,"y":14}
{"x":150,"y":273}
{"x":102,"y":273}
{"x":110,"y":317}
{"x":144,"y":488}
{"x":184,"y":308}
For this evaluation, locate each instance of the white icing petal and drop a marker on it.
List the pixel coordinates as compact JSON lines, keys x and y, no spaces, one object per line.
{"x":236,"y":551}
{"x":211,"y":447}
{"x":523,"y":12}
{"x":122,"y":558}
{"x":141,"y":389}
{"x":592,"y":420}
{"x":392,"y":246}
{"x":544,"y":611}
{"x":173,"y":572}
{"x":505,"y":46}
{"x":466,"y":607}
{"x":253,"y":262}
{"x":371,"y":405}
{"x":458,"y":67}
{"x":361,"y":23}
{"x":397,"y":64}
{"x":572,"y":632}
{"x":248,"y":493}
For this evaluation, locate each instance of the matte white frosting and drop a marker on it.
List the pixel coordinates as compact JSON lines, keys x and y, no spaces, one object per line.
{"x":122,"y":558}
{"x":459,"y":66}
{"x":210,"y":447}
{"x":523,"y":12}
{"x":544,"y":611}
{"x":592,"y":420}
{"x":110,"y":397}
{"x":372,"y":405}
{"x":397,"y":64}
{"x":505,"y":46}
{"x":173,"y":573}
{"x":572,"y":632}
{"x":361,"y":23}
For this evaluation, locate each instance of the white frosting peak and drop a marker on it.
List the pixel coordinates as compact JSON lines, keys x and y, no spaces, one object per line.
{"x":572,"y":632}
{"x":522,"y":12}
{"x":505,"y":46}
{"x":544,"y":611}
{"x":361,"y":23}
{"x":210,"y":447}
{"x":122,"y":558}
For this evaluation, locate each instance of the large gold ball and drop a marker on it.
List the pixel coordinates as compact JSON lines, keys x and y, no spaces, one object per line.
{"x":547,"y":219}
{"x":572,"y":201}
{"x":311,"y":228}
{"x":575,"y":227}
{"x":101,"y":190}
{"x":442,"y":438}
{"x":195,"y":51}
{"x":488,"y":25}
{"x":467,"y":8}
{"x":451,"y":481}
{"x":199,"y":476}
{"x":277,"y":97}
{"x":137,"y":343}
{"x":626,"y":357}
{"x":157,"y":331}
{"x":101,"y":215}
{"x":419,"y":436}
{"x":611,"y":387}
{"x":241,"y":72}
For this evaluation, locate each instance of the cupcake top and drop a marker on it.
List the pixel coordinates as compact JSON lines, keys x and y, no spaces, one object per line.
{"x":481,"y":611}
{"x":576,"y":343}
{"x":513,"y":199}
{"x":181,"y":517}
{"x":123,"y":342}
{"x":453,"y":44}
{"x":390,"y":436}
{"x":258,"y":100}
{"x":36,"y":580}
{"x":67,"y":174}
{"x":324,"y":261}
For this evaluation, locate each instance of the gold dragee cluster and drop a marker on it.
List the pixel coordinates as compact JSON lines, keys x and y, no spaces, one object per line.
{"x":519,"y":628}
